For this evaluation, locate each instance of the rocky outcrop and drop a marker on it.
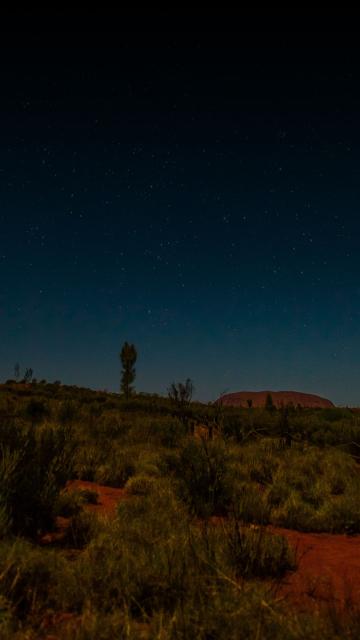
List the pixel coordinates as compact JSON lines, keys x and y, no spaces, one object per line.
{"x":279,"y":398}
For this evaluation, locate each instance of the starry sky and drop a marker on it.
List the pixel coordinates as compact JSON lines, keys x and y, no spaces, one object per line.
{"x":193,"y":191}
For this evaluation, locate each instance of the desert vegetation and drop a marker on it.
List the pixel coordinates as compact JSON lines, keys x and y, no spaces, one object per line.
{"x":193,"y":548}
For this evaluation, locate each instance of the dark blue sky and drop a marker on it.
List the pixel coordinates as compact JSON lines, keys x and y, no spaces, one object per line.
{"x":193,"y":192}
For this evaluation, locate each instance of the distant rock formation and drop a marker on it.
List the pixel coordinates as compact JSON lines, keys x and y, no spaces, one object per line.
{"x":279,"y":398}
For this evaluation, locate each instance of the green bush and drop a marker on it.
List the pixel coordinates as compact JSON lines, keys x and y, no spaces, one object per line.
{"x":28,"y":577}
{"x":83,"y":528}
{"x":68,"y":504}
{"x":202,"y":474}
{"x":168,"y":432}
{"x":67,"y":412}
{"x":249,"y":503}
{"x":139,"y":562}
{"x":36,"y":410}
{"x":341,"y":515}
{"x":88,"y":459}
{"x":140,"y":485}
{"x":315,"y":491}
{"x":34,"y":466}
{"x":294,"y":513}
{"x":256,"y":553}
{"x":116,"y":472}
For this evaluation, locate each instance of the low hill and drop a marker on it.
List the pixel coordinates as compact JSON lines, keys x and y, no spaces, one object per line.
{"x":279,"y":398}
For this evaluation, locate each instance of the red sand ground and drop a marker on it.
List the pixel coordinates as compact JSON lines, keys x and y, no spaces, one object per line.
{"x":278,"y":397}
{"x":108,"y":497}
{"x":107,"y":500}
{"x":328,"y":572}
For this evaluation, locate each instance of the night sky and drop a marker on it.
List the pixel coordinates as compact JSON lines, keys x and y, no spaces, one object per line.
{"x":194,"y":192}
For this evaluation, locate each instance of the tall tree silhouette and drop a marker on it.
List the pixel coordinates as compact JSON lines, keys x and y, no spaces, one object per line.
{"x":128,"y":355}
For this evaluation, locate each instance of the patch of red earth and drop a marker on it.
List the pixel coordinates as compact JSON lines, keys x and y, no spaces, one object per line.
{"x":107,"y":497}
{"x":107,"y":500}
{"x":328,"y":572}
{"x":328,"y":566}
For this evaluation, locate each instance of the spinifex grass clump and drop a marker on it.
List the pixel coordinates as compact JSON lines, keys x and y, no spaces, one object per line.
{"x":110,"y":465}
{"x":29,"y":577}
{"x":140,"y":485}
{"x":255,"y":552}
{"x":83,"y":528}
{"x":34,"y":464}
{"x":202,"y":476}
{"x":311,"y":489}
{"x":301,"y":487}
{"x":69,"y":503}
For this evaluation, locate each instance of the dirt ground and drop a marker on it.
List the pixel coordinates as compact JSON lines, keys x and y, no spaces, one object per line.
{"x":328,"y":571}
{"x":108,"y":497}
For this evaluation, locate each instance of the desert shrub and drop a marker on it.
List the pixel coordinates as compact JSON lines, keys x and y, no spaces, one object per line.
{"x":249,"y":503}
{"x":278,"y":494}
{"x":341,"y":515}
{"x":88,"y":459}
{"x":28,"y":577}
{"x":139,"y":429}
{"x":315,"y":490}
{"x":335,"y":414}
{"x":36,"y":410}
{"x":119,"y":467}
{"x":168,"y":432}
{"x":337,"y":485}
{"x":83,"y":528}
{"x":140,"y":485}
{"x":34,"y":465}
{"x":234,"y":426}
{"x":255,"y":552}
{"x":68,"y":504}
{"x":258,"y":461}
{"x":294,"y":513}
{"x":111,"y":425}
{"x":67,"y":412}
{"x":246,"y":425}
{"x":147,"y":461}
{"x":110,"y":464}
{"x":331,"y":427}
{"x":202,"y":474}
{"x":261,"y":470}
{"x":95,"y":408}
{"x":139,"y":561}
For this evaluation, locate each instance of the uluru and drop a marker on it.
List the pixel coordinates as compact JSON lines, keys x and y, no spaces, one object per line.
{"x":279,"y":398}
